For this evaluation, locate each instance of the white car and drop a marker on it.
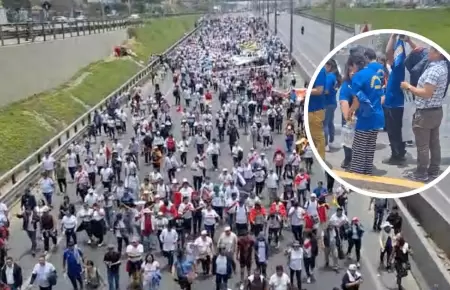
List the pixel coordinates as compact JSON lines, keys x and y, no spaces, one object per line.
{"x":134,"y":16}
{"x":60,"y":19}
{"x":81,"y":18}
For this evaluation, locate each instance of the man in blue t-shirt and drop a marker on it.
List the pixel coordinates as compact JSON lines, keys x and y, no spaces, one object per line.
{"x":320,"y":190}
{"x":394,"y":101}
{"x":73,"y":265}
{"x":316,"y":112}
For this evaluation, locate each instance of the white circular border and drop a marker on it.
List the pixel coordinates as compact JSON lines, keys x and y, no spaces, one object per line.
{"x":310,"y":87}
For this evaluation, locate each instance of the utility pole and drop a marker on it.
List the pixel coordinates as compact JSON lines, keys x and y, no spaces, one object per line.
{"x":291,"y":31}
{"x":276,"y":17}
{"x":333,"y":24}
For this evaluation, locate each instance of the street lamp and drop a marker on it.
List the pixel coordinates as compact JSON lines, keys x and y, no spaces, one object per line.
{"x":333,"y":24}
{"x":291,"y":31}
{"x":276,"y":17}
{"x":268,"y":11}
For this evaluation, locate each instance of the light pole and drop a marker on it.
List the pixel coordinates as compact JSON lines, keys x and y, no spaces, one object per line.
{"x":333,"y":24}
{"x":276,"y":17}
{"x":268,"y":11}
{"x":291,"y":31}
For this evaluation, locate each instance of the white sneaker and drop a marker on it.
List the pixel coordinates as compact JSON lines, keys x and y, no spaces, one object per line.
{"x":327,"y":148}
{"x":308,"y":280}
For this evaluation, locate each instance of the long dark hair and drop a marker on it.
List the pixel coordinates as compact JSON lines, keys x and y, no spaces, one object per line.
{"x":357,"y":59}
{"x":334,"y":69}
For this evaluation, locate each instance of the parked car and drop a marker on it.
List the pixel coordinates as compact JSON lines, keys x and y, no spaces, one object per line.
{"x":60,"y":19}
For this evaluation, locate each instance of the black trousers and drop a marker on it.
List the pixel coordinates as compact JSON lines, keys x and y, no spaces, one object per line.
{"x":394,"y":123}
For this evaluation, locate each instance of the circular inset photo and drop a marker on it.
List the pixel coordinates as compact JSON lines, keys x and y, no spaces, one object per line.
{"x":376,"y":113}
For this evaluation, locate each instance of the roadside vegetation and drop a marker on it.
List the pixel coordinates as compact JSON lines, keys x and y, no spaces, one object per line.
{"x":30,"y":123}
{"x":431,"y":23}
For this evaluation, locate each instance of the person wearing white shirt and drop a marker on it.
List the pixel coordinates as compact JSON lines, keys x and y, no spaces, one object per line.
{"x":186,"y":190}
{"x":169,"y":240}
{"x":185,"y":211}
{"x":69,"y":225}
{"x":225,"y":176}
{"x":149,"y":267}
{"x":338,"y":219}
{"x":198,"y":171}
{"x":228,"y":241}
{"x":100,"y":161}
{"x":272,"y":183}
{"x":85,"y":215}
{"x":107,"y":174}
{"x":295,"y":262}
{"x":71,"y":161}
{"x":47,"y":187}
{"x":214,"y":151}
{"x":183,"y":147}
{"x":91,"y":198}
{"x":48,"y":163}
{"x":279,"y":280}
{"x":98,"y":224}
{"x":296,"y":215}
{"x":266,"y":133}
{"x":205,"y":247}
{"x":41,"y":273}
{"x":210,"y":218}
{"x":135,"y":252}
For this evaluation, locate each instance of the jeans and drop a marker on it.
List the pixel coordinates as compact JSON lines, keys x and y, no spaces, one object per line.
{"x":221,"y":282}
{"x":76,"y":281}
{"x":328,"y":124}
{"x":316,"y":127}
{"x":113,"y":280}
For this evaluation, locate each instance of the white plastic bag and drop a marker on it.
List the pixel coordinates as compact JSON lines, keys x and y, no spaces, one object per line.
{"x":348,"y":133}
{"x":409,"y":109}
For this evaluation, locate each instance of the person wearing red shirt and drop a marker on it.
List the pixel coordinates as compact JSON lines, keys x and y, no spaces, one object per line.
{"x":322,"y":212}
{"x":257,"y":217}
{"x":301,"y":183}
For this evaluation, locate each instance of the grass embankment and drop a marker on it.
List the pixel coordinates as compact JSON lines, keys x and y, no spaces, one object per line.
{"x":30,"y":123}
{"x":431,"y":23}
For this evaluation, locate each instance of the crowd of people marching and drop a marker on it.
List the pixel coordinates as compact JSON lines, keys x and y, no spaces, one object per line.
{"x":233,"y":207}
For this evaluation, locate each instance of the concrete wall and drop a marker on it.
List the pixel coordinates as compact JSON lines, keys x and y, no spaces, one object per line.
{"x":32,"y":68}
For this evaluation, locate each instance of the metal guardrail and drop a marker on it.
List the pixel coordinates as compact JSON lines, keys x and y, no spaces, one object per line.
{"x":22,"y":32}
{"x":327,"y":21}
{"x":14,"y":182}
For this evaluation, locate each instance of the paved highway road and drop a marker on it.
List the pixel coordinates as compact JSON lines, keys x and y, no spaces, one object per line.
{"x":311,"y":48}
{"x":19,"y":243}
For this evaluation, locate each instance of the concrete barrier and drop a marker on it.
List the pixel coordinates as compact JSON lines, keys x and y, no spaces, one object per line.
{"x":14,"y":182}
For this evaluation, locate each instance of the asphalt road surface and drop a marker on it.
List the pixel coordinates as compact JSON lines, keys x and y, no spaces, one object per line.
{"x":19,"y":243}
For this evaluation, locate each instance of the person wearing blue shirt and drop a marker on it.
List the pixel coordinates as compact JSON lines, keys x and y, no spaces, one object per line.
{"x":320,"y":190}
{"x":367,"y":104}
{"x":394,"y":103}
{"x":73,"y":265}
{"x":316,"y":112}
{"x":345,"y":101}
{"x":184,"y":269}
{"x":333,"y":82}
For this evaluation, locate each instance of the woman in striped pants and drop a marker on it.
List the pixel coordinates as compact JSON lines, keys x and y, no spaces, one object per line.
{"x":368,"y":96}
